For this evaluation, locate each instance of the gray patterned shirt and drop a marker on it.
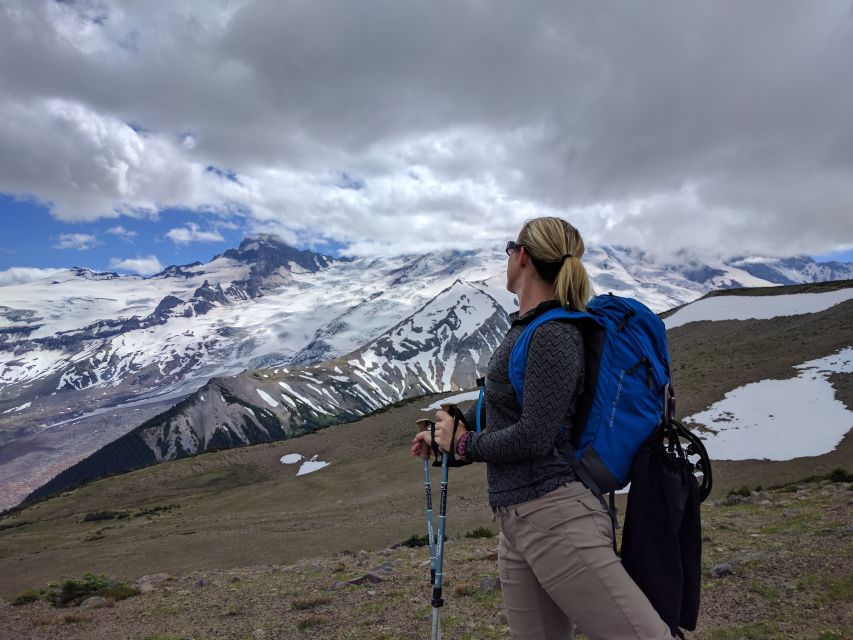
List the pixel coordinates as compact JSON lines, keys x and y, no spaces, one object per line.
{"x":518,"y":446}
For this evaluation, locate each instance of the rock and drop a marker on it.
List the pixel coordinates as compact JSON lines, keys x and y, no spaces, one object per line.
{"x":490,"y":584}
{"x":757,"y":497}
{"x":733,"y":499}
{"x":371,"y":592}
{"x":198,"y":584}
{"x":259,"y":634}
{"x":367,"y":577}
{"x":706,"y":538}
{"x":791,"y":513}
{"x":235,"y":578}
{"x":94,"y":601}
{"x":499,"y":619}
{"x":764,"y":503}
{"x":386,"y":568}
{"x":146,"y":583}
{"x":722,"y":569}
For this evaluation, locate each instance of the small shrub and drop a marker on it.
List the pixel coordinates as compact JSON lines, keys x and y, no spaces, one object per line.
{"x":311,"y":621}
{"x":161,"y":508}
{"x":480,"y":532}
{"x":72,"y":592}
{"x":416,"y":541}
{"x":120,"y":592}
{"x":30,"y":595}
{"x":464,"y":589}
{"x":840,"y":475}
{"x":309,"y":602}
{"x":97,"y":516}
{"x":76,"y":618}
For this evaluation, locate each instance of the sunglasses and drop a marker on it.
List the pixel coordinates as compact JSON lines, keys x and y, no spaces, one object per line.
{"x":512,"y":246}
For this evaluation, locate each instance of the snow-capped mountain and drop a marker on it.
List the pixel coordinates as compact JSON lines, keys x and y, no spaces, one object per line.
{"x":80,"y":345}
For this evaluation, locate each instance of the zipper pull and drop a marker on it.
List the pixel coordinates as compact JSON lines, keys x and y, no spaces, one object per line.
{"x":624,"y":320}
{"x":649,"y":371}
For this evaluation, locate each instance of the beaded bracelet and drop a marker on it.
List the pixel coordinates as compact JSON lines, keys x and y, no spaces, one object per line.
{"x":460,"y":446}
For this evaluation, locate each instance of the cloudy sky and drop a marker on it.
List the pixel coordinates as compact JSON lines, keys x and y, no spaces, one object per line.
{"x":139,"y":134}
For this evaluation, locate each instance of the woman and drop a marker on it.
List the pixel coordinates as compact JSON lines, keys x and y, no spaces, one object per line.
{"x":555,"y":550}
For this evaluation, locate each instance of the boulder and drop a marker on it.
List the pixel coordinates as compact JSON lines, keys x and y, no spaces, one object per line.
{"x":722,"y":569}
{"x":490,"y":584}
{"x":94,"y":601}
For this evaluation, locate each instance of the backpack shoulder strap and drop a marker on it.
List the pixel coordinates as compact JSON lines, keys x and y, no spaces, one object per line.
{"x":518,"y":357}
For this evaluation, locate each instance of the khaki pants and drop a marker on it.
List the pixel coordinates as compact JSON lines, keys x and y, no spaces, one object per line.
{"x":558,"y":570}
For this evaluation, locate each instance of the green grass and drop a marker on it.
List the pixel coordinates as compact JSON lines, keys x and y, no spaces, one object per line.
{"x":837,"y":589}
{"x":310,"y":622}
{"x":480,"y":532}
{"x":764,"y":590}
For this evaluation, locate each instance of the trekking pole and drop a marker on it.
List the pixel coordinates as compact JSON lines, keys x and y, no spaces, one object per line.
{"x":437,"y":601}
{"x":429,"y":424}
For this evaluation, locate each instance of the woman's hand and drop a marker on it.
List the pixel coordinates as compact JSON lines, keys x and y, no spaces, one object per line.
{"x":422,"y":442}
{"x":444,"y":436}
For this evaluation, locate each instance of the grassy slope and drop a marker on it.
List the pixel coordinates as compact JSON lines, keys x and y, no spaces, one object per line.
{"x":241,"y":507}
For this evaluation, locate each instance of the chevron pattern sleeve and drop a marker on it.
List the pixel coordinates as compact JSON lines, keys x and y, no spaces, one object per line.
{"x":551,"y":385}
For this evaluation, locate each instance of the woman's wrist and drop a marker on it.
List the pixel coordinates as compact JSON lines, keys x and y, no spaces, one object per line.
{"x":461,"y":444}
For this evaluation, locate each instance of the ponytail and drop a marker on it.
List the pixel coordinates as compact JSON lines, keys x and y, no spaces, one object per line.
{"x":556,"y":247}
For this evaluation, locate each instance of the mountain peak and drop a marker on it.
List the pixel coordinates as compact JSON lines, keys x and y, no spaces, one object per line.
{"x":267,"y":252}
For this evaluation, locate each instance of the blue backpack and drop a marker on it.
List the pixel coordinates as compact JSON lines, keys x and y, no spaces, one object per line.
{"x":626,"y":386}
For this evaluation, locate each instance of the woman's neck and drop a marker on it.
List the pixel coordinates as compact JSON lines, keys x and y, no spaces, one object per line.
{"x":532,"y":296}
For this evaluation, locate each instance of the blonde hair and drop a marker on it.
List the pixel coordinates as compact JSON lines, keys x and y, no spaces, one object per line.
{"x":556,"y":248}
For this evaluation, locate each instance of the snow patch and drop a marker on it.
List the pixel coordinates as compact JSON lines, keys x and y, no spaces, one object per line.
{"x":780,"y":419}
{"x":461,"y":397}
{"x":26,"y":405}
{"x":291,"y":458}
{"x":312,"y":465}
{"x":267,"y":398}
{"x":756,"y":307}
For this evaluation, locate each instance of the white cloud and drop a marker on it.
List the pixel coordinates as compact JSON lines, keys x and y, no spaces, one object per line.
{"x":192,"y":233}
{"x":671,"y":124}
{"x":79,"y":241}
{"x":22,"y":275}
{"x":143,"y":265}
{"x":125,"y":234}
